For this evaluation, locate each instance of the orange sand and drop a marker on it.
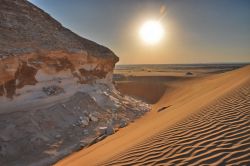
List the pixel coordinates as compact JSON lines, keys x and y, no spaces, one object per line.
{"x":207,"y":122}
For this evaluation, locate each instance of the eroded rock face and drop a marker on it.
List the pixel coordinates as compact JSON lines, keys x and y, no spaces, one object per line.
{"x":55,"y":69}
{"x":37,"y":50}
{"x":56,"y":89}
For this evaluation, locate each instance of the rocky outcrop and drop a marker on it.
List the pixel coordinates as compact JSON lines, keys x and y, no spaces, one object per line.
{"x":34,"y":47}
{"x":56,"y":88}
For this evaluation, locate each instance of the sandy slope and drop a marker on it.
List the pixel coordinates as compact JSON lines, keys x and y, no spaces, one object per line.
{"x":208,"y":122}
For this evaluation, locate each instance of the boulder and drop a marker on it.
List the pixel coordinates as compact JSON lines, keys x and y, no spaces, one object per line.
{"x":123,"y":123}
{"x":93,"y":118}
{"x":110,"y":130}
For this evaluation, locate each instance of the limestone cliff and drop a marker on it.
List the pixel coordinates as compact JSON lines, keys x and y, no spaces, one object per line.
{"x":34,"y":47}
{"x":56,"y":92}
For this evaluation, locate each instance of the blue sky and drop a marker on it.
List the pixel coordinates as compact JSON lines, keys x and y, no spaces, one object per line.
{"x":197,"y":31}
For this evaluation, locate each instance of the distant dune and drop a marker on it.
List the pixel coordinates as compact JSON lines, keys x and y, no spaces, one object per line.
{"x":204,"y":121}
{"x":156,"y":90}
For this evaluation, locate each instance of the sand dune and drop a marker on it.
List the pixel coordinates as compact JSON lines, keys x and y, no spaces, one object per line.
{"x":217,"y":134}
{"x":207,"y":121}
{"x":152,"y":87}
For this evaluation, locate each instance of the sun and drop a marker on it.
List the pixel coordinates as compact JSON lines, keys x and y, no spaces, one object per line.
{"x":151,"y":32}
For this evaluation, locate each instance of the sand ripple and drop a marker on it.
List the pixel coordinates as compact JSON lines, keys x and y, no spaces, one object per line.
{"x":218,"y":134}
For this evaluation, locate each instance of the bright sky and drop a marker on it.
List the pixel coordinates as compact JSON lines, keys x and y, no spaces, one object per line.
{"x":196,"y":31}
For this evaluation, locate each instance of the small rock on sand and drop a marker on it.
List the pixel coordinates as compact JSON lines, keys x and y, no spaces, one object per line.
{"x":110,"y":130}
{"x":189,"y":73}
{"x":123,"y":124}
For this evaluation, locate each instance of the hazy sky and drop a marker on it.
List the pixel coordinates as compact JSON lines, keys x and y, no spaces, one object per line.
{"x":197,"y":31}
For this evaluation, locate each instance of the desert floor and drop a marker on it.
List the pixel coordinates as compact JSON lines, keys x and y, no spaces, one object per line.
{"x":203,"y":118}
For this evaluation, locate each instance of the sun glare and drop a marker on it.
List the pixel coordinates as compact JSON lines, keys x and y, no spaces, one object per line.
{"x":151,"y":32}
